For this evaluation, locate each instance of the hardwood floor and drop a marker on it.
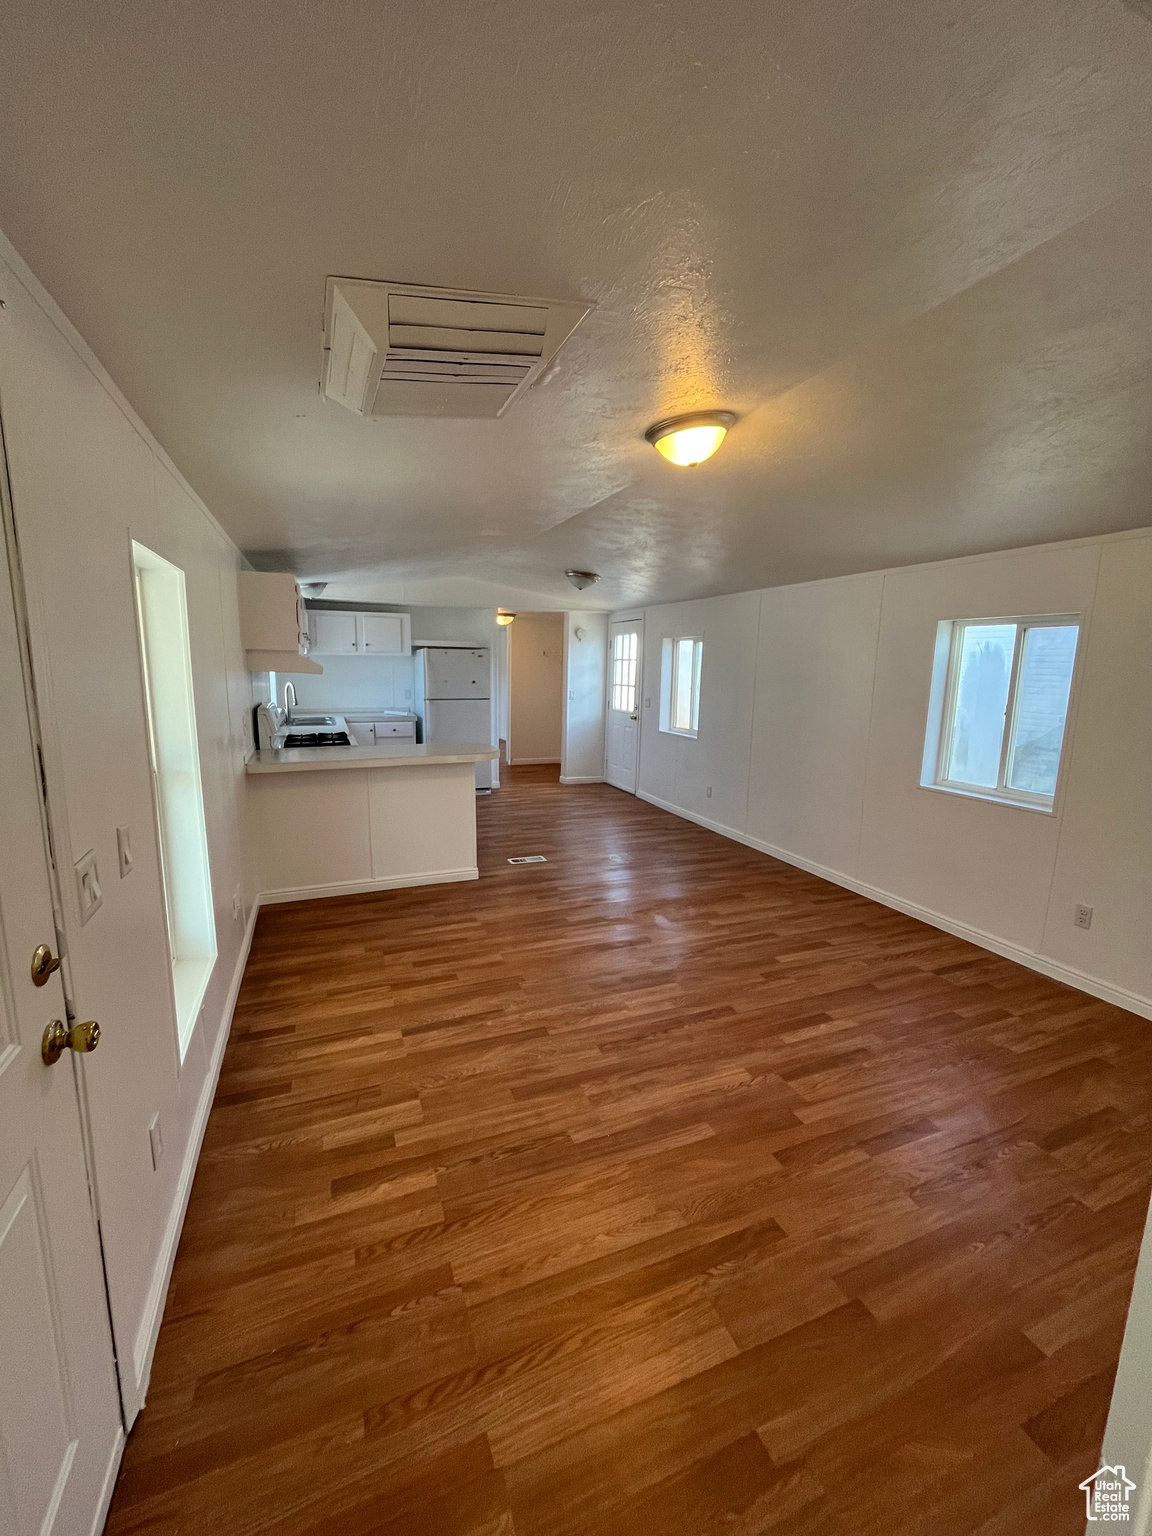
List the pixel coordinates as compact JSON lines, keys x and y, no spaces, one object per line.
{"x":661,"y":1189}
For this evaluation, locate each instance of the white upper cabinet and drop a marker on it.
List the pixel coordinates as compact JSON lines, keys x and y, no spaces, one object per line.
{"x":338,"y":633}
{"x":383,"y":634}
{"x":333,"y":633}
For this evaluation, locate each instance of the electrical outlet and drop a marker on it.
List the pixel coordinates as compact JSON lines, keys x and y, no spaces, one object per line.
{"x":124,"y":851}
{"x":156,"y":1140}
{"x":88,"y":890}
{"x":237,"y":905}
{"x":1082,"y":916}
{"x":407,"y":693}
{"x":708,"y":791}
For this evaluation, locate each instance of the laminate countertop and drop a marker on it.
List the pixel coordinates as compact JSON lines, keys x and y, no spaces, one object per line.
{"x":398,"y":754}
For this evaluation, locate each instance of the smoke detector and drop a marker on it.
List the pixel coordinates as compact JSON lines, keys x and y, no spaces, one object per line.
{"x":393,"y":349}
{"x":582,"y":579}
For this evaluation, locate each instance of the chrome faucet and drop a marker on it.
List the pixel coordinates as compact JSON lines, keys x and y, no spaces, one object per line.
{"x":288,"y":708}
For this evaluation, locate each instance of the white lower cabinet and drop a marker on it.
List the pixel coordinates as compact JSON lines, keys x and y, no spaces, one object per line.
{"x":368,"y":733}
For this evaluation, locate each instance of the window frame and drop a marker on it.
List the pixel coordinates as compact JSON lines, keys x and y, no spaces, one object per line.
{"x":669,"y":676}
{"x":950,"y":632}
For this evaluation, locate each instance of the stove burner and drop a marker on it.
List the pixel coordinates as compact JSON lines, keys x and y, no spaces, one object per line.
{"x":317,"y":739}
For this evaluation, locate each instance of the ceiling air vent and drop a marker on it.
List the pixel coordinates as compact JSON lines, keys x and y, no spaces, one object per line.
{"x":394,"y":350}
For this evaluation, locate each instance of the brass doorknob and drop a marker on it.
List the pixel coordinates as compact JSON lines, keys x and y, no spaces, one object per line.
{"x":58,"y":1038}
{"x":44,"y":962}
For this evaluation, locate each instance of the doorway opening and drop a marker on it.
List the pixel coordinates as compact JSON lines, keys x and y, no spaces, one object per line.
{"x":535,"y":689}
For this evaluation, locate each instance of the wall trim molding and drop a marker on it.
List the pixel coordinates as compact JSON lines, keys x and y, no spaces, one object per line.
{"x":148,"y":1331}
{"x":581,"y":778}
{"x":521,"y":762}
{"x":362,"y":887}
{"x":1081,"y":981}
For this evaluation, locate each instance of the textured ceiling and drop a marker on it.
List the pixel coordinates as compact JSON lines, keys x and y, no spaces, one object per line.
{"x":907,"y":240}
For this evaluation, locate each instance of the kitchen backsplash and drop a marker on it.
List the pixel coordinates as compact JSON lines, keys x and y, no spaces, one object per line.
{"x":354,"y":682}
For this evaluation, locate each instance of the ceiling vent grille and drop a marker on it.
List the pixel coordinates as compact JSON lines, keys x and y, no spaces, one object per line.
{"x":391,"y":349}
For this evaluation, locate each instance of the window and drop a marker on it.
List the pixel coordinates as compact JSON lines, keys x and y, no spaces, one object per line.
{"x":1000,"y":691}
{"x":681,"y":660}
{"x":166,"y":663}
{"x":625,"y":663}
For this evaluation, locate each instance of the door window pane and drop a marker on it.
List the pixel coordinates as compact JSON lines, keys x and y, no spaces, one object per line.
{"x":984,"y":674}
{"x":1042,"y":707}
{"x":625,"y":664}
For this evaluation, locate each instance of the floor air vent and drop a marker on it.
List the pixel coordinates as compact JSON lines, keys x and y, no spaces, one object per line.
{"x":391,"y":349}
{"x":529,"y":858}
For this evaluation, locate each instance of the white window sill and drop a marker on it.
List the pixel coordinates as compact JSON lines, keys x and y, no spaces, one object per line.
{"x":666,"y":730}
{"x":989,"y":799}
{"x":190,"y":980}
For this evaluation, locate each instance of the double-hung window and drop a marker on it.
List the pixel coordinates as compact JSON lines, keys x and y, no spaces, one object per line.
{"x":681,"y":661}
{"x":166,"y":663}
{"x":999,"y":704}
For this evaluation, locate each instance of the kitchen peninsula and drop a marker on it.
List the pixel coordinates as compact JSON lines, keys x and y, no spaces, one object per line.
{"x":332,"y":821}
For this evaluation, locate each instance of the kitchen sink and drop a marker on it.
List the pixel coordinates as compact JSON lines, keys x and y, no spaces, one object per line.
{"x":311,"y":720}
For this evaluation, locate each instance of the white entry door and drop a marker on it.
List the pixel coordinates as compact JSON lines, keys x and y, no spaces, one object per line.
{"x":625,"y":648}
{"x":60,"y":1432}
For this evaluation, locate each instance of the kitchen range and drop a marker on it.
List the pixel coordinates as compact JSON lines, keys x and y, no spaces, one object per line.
{"x":275,"y":728}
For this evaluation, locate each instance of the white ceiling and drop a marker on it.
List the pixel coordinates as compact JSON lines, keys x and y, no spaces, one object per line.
{"x":907,"y":240}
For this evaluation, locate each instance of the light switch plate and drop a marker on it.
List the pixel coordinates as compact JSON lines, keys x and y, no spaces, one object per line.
{"x":88,"y":892}
{"x":156,"y":1140}
{"x":124,"y":851}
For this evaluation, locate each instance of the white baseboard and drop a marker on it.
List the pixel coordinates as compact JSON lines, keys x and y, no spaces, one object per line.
{"x":523,"y":762}
{"x":109,"y":1485}
{"x":1080,"y":980}
{"x":359,"y":887}
{"x":581,"y":778}
{"x":146,"y":1335}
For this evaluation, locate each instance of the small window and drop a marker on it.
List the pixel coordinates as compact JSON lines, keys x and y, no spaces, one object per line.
{"x":625,"y":665}
{"x":1000,"y":691}
{"x":682,"y":659}
{"x":166,"y":664}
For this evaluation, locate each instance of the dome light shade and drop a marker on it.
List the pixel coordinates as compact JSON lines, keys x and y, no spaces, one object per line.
{"x":690,"y":439}
{"x":504,"y":619}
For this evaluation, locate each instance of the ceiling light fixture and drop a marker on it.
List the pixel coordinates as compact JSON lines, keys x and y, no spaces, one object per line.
{"x":690,"y":439}
{"x":582,"y":579}
{"x":503,"y":618}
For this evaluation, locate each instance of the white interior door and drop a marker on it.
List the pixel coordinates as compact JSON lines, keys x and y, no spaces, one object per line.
{"x":625,"y":649}
{"x":60,"y":1432}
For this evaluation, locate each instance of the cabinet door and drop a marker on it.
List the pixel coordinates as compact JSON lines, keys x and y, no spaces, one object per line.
{"x":333,"y":634}
{"x":383,"y":633}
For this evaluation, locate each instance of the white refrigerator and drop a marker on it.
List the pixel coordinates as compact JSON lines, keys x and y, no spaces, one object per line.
{"x":454,"y":698}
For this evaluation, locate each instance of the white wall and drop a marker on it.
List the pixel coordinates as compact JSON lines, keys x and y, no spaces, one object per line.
{"x":86,"y":479}
{"x":1128,"y":1433}
{"x":812,"y":719}
{"x":583,"y":714}
{"x":535,"y":687}
{"x":352,"y":683}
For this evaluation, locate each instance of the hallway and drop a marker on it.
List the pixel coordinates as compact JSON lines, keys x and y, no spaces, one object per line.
{"x":660,"y":1188}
